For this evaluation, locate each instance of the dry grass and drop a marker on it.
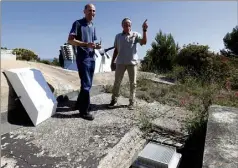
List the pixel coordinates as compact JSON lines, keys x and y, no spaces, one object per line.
{"x":191,"y":94}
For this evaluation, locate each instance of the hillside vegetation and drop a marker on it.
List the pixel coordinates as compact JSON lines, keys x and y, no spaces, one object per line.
{"x":202,"y":77}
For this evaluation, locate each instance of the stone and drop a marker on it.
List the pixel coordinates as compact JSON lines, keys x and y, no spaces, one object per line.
{"x":221,"y":144}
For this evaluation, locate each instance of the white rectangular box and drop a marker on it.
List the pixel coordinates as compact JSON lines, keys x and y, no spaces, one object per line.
{"x":34,"y":93}
{"x":157,"y":156}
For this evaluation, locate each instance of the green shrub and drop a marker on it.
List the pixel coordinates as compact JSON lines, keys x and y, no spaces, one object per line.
{"x":177,"y":73}
{"x":234,"y":80}
{"x":194,"y":57}
{"x":160,"y":58}
{"x":45,"y":62}
{"x":217,"y":70}
{"x":197,"y":61}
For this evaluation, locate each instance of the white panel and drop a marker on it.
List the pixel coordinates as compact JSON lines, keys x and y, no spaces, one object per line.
{"x":70,"y":64}
{"x":175,"y":161}
{"x":102,"y":63}
{"x":97,"y":61}
{"x":73,"y":66}
{"x":7,"y":55}
{"x":158,"y":155}
{"x":107,"y":65}
{"x":34,"y":92}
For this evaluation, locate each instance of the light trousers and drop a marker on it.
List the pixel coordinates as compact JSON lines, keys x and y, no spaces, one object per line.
{"x":119,"y":74}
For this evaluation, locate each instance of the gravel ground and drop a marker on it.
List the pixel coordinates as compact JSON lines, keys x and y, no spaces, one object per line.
{"x":68,"y":141}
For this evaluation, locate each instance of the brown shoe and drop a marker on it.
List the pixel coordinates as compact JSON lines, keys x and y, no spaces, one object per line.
{"x":112,"y":104}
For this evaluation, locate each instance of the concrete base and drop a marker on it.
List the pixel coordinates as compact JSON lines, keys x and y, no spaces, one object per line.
{"x":221,"y":146}
{"x":65,"y":140}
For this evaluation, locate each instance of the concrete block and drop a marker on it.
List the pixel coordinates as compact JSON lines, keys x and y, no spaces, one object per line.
{"x":33,"y":92}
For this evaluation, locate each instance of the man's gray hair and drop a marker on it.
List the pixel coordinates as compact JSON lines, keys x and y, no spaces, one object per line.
{"x":125,"y":19}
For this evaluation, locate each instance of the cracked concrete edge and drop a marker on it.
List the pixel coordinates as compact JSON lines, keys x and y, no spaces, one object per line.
{"x":220,"y":149}
{"x":126,"y":151}
{"x":157,"y":127}
{"x":160,"y":81}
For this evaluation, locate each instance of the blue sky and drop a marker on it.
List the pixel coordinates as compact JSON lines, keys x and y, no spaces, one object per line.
{"x":44,"y":26}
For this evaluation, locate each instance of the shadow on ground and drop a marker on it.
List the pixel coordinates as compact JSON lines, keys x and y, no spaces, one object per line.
{"x":16,"y":114}
{"x":65,"y":106}
{"x":192,"y":154}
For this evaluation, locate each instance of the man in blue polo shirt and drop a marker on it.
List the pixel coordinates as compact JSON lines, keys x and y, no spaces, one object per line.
{"x":83,"y":36}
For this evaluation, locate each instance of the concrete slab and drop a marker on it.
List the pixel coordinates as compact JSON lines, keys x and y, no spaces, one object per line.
{"x":33,"y":92}
{"x":68,"y":141}
{"x":221,"y":146}
{"x":65,"y":140}
{"x":168,"y":123}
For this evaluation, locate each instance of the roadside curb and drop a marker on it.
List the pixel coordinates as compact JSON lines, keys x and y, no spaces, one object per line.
{"x":126,"y":151}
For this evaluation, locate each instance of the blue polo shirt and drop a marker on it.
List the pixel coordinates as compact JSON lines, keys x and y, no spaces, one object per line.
{"x":85,"y":32}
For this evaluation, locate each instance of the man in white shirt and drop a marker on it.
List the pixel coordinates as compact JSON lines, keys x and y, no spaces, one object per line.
{"x":126,"y":57}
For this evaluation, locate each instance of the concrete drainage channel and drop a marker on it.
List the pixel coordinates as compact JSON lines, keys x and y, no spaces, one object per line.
{"x":134,"y":151}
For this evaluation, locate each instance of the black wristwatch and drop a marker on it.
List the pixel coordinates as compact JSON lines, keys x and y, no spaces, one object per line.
{"x":144,"y":30}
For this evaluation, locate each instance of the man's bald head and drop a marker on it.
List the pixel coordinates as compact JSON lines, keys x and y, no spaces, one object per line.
{"x":88,"y":5}
{"x":89,"y":11}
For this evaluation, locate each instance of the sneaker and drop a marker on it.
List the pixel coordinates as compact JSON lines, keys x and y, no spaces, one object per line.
{"x":87,"y":116}
{"x":112,"y":104}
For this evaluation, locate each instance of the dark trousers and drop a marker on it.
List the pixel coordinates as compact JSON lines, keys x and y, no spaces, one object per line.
{"x":86,"y":72}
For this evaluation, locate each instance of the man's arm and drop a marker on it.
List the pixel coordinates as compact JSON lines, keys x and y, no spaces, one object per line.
{"x":115,"y":53}
{"x":143,"y":41}
{"x":72,"y":38}
{"x":73,"y":41}
{"x":113,"y":64}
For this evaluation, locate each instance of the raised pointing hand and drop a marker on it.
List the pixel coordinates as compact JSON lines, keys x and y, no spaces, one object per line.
{"x":145,"y":25}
